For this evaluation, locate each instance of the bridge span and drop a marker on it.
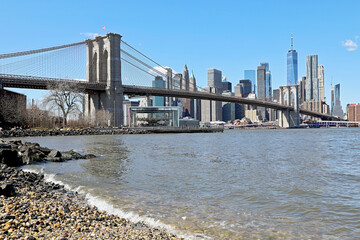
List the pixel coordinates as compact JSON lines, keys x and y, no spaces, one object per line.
{"x":104,"y":87}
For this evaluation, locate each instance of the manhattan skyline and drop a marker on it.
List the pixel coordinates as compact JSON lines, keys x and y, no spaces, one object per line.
{"x":230,"y":42}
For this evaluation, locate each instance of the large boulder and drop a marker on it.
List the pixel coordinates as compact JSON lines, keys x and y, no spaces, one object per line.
{"x":54,"y":156}
{"x":68,"y":155}
{"x":10,"y":157}
{"x":31,"y":155}
{"x":7,"y":189}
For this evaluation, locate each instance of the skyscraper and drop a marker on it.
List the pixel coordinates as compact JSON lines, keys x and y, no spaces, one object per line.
{"x":261,"y":82}
{"x":188,"y":110}
{"x":268,"y":89}
{"x":214,"y":78}
{"x":321,"y":83}
{"x":337,"y":111}
{"x":332,"y":98}
{"x":185,"y":79}
{"x":243,"y":88}
{"x":261,"y":89}
{"x":226,"y":86}
{"x":212,"y":110}
{"x":312,"y":81}
{"x":250,"y":75}
{"x":292,"y":65}
{"x":158,"y":83}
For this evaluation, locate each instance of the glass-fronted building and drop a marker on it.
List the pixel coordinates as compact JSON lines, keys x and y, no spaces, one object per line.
{"x":292,"y":67}
{"x":250,"y":75}
{"x":158,"y":101}
{"x":268,"y":89}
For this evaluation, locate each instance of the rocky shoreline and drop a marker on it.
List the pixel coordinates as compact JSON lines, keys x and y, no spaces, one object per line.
{"x":68,"y":132}
{"x":31,"y":208}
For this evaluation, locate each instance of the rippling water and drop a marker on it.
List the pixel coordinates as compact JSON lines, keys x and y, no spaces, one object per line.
{"x":289,"y":184}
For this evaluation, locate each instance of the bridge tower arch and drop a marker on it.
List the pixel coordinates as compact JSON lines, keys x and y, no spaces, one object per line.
{"x":289,"y":95}
{"x":103,"y":65}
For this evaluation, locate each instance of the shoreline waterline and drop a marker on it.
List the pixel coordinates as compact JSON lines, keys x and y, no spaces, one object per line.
{"x":220,"y":186}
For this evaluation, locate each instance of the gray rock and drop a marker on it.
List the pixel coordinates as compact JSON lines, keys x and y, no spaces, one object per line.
{"x":10,"y":157}
{"x":54,"y":153}
{"x":55,"y":159}
{"x":7,"y":189}
{"x":4,"y":145}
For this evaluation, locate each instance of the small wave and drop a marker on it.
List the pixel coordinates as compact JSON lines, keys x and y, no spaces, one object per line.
{"x":103,"y":205}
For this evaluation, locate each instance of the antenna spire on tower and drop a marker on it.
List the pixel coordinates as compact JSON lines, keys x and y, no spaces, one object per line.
{"x":292,"y":42}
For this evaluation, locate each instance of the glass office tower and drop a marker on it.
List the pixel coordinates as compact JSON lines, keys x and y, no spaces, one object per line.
{"x":292,"y":65}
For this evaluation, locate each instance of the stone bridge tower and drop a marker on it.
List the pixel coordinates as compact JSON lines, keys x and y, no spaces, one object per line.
{"x":289,"y":95}
{"x":103,"y":65}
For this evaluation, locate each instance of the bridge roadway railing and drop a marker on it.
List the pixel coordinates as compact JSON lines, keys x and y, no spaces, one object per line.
{"x":32,"y":82}
{"x":150,"y":91}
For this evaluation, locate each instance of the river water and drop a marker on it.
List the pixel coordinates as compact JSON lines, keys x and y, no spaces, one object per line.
{"x":250,"y":184}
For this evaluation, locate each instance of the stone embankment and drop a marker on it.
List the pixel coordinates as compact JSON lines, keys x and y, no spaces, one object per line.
{"x":68,"y":132}
{"x":31,"y":208}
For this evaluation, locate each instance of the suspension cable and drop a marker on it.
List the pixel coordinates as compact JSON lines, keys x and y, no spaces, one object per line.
{"x":16,"y":54}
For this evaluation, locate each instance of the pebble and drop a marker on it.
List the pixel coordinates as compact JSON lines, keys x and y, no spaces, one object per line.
{"x":38,"y":211}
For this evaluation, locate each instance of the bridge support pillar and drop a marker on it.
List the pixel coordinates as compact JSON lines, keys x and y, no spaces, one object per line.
{"x":104,"y":66}
{"x":289,"y":95}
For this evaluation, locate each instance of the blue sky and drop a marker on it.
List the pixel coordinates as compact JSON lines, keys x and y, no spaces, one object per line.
{"x":228,"y":35}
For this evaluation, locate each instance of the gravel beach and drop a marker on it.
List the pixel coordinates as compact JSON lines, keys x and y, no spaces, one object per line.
{"x":31,"y":208}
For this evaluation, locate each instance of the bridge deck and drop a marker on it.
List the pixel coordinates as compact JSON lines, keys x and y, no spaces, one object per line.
{"x":20,"y":81}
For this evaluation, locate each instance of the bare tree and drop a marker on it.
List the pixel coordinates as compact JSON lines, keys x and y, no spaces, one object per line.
{"x":11,"y":111}
{"x":66,"y":97}
{"x":37,"y":117}
{"x":103,"y":117}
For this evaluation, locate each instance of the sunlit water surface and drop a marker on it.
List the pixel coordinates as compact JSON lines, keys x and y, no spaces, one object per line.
{"x":291,"y":184}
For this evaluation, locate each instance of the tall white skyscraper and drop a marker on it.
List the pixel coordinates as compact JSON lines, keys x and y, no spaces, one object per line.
{"x":321,"y":83}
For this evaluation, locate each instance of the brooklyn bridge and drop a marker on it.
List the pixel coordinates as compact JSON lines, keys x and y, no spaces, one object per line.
{"x":106,"y":68}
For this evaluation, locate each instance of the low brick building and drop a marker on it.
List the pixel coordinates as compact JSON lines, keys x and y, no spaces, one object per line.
{"x":12,"y":108}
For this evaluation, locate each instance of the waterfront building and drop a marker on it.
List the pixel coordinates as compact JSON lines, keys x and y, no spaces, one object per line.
{"x":321,"y":83}
{"x":353,"y":112}
{"x":158,"y":83}
{"x":292,"y":65}
{"x":251,"y":75}
{"x":312,"y":81}
{"x":154,"y":116}
{"x":12,"y":107}
{"x":127,"y":104}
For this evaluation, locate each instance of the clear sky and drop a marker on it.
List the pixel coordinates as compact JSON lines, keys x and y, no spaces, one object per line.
{"x":228,"y":35}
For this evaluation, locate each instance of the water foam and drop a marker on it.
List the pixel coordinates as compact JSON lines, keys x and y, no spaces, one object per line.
{"x":103,"y":205}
